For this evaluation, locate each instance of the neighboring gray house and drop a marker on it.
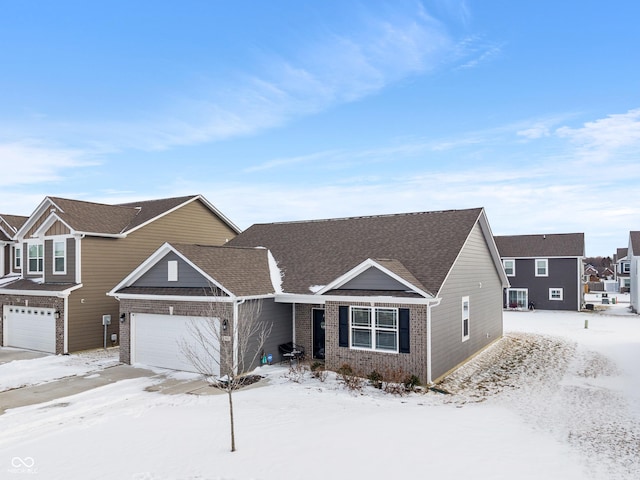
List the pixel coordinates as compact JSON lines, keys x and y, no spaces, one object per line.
{"x":419,"y":293}
{"x":622,"y":269}
{"x":182,"y":284}
{"x":545,"y":271}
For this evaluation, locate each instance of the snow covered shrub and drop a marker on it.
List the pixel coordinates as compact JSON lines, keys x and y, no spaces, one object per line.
{"x":350,"y":379}
{"x":318,"y":371}
{"x":375,"y":378}
{"x":411,"y":382}
{"x":297,"y":372}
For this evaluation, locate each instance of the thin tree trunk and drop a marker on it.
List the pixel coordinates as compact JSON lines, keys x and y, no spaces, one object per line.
{"x":233,"y":435}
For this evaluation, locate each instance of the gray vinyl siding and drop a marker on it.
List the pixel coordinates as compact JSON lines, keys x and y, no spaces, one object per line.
{"x":280,"y":316}
{"x":474,"y":275}
{"x":562,"y":273}
{"x":373,"y":279}
{"x":158,"y":275}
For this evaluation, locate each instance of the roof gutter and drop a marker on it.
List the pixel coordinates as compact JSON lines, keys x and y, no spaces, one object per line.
{"x":322,"y":299}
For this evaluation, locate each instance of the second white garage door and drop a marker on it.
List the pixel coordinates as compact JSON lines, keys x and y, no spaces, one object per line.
{"x":156,"y":340}
{"x":30,"y":328}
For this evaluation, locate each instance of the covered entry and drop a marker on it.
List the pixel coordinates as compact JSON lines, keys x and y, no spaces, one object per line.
{"x":156,"y":340}
{"x":31,"y":328}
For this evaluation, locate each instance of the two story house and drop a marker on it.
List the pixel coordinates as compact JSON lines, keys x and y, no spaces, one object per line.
{"x":419,"y":293}
{"x":70,"y":253}
{"x":545,"y":271}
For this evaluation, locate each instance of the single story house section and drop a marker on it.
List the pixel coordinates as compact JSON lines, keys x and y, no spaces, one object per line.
{"x":418,"y":293}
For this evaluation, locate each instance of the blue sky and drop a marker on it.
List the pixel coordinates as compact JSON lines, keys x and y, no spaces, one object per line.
{"x":300,"y":109}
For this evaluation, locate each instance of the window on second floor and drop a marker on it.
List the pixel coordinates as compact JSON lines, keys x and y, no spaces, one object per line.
{"x":17,"y":258}
{"x":542,"y":267}
{"x":36,"y":258}
{"x":626,"y":267}
{"x":509,"y":267}
{"x":60,"y":257}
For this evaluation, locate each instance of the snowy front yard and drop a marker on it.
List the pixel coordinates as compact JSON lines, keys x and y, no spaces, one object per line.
{"x":551,"y":400}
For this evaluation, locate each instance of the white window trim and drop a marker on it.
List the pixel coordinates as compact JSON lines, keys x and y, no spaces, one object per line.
{"x":373,"y":329}
{"x":513,"y":261}
{"x":546,"y":267}
{"x":556,"y":289}
{"x":35,"y":244}
{"x":465,"y":316}
{"x":526,"y":292}
{"x":64,"y":257}
{"x":17,"y":257}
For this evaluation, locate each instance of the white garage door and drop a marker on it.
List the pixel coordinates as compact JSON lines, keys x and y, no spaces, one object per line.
{"x":29,"y":328}
{"x":156,"y":340}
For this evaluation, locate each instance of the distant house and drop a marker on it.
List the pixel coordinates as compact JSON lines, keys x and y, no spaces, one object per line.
{"x":418,"y":293}
{"x":545,"y":271}
{"x":70,"y":253}
{"x":622,"y":269}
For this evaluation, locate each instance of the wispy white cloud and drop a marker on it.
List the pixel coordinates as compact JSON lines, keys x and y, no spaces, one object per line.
{"x":32,"y":162}
{"x":330,"y":69}
{"x":600,"y":140}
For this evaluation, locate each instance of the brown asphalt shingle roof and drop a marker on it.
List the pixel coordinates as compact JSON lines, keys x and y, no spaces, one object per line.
{"x":90,"y":217}
{"x":542,"y":245}
{"x":317,"y":252}
{"x":242,"y":271}
{"x":14,"y":221}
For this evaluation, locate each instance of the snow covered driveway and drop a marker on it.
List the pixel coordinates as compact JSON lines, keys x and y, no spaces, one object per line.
{"x":551,"y":400}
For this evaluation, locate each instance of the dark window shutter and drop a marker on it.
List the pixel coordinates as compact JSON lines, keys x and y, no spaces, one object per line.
{"x":343,"y":326}
{"x":403,"y":331}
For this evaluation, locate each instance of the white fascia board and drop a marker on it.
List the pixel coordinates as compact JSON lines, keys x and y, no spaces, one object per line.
{"x":37,"y":213}
{"x":493,"y":248}
{"x":172,"y":298}
{"x":322,"y":299}
{"x":359,"y":269}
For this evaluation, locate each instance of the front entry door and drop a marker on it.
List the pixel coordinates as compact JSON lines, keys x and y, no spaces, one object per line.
{"x":318,"y":333}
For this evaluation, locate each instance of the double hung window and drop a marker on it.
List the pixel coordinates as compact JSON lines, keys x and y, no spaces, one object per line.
{"x":36,"y":258}
{"x":374,"y":328}
{"x":59,"y":257}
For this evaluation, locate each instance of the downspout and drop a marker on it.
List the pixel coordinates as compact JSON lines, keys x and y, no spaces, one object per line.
{"x":65,"y":348}
{"x":430,"y":305}
{"x":236,"y":304}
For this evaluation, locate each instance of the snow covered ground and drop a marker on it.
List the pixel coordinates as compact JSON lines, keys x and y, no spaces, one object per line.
{"x":552,"y":400}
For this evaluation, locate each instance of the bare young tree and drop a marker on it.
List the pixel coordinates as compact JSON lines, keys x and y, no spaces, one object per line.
{"x":226,"y":346}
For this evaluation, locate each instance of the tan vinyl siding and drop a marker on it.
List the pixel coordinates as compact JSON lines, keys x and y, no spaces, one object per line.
{"x":474,"y":275}
{"x":37,"y":224}
{"x":58,"y":228}
{"x":106,"y":261}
